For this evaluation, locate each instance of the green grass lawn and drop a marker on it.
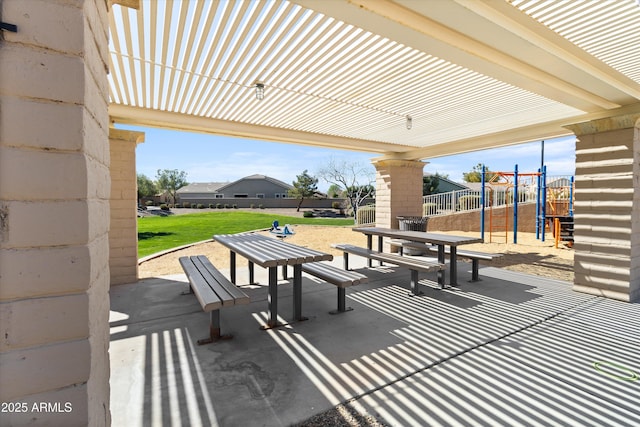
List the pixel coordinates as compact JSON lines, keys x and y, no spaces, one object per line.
{"x":156,"y":234}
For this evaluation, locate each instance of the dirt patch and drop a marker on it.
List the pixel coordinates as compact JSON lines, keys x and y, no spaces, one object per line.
{"x":528,"y":256}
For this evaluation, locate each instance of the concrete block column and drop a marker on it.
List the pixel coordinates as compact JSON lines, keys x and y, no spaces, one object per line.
{"x":54,"y":213}
{"x":607,"y":207}
{"x":398,"y":190}
{"x":123,"y":234}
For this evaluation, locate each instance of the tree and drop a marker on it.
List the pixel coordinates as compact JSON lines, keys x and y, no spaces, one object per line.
{"x":356,"y":178}
{"x":334,"y":191}
{"x":146,"y":187}
{"x":475,"y":175}
{"x":171,"y":180}
{"x":430,"y":184}
{"x":305,"y":185}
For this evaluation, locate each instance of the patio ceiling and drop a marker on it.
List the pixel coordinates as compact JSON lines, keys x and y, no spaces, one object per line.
{"x":347,"y":73}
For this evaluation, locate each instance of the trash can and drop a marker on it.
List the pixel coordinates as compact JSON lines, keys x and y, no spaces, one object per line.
{"x":412,"y":223}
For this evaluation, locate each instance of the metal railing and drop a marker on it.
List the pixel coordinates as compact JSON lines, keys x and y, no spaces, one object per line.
{"x":469,"y":200}
{"x":366,"y":215}
{"x":495,"y":196}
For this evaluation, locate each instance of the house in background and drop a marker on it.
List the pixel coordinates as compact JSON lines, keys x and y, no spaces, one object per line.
{"x":251,"y":187}
{"x":250,"y":192}
{"x":445,"y":185}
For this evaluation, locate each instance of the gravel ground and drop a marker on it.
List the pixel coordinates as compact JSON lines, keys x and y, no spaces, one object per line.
{"x":342,"y":416}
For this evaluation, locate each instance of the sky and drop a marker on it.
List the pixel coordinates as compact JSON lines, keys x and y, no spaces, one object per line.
{"x":211,"y":158}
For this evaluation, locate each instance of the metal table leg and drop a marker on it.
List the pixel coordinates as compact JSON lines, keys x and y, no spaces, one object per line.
{"x":297,"y":292}
{"x":441,"y":260}
{"x":251,"y":274}
{"x":272,"y":299}
{"x":232,"y":266}
{"x":454,"y":265}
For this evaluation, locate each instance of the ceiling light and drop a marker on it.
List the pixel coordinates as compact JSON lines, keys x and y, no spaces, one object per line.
{"x":259,"y":91}
{"x":409,"y":122}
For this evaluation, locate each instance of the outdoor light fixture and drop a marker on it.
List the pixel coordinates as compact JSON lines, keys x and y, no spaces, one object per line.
{"x":409,"y":122}
{"x":259,"y":91}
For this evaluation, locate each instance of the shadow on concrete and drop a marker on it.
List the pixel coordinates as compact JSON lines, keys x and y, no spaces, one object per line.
{"x":512,"y":349}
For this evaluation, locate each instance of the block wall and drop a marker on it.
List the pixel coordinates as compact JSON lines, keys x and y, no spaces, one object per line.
{"x":607,"y":208}
{"x":54,"y":212}
{"x":123,"y":233}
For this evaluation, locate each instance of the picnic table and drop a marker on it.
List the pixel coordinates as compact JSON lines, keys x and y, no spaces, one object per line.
{"x":440,"y":240}
{"x":268,"y":252}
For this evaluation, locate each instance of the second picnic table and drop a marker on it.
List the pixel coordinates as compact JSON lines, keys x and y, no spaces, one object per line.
{"x":440,"y":240}
{"x":268,"y":252}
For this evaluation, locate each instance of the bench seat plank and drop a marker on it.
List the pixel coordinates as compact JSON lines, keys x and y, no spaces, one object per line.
{"x":207,"y":298}
{"x":212,"y":290}
{"x":391,"y":258}
{"x":485,"y":256}
{"x":414,"y":265}
{"x":335,"y":275}
{"x":226,"y":291}
{"x":474,"y":257}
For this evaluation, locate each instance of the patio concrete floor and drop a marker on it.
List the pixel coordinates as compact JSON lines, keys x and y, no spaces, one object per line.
{"x":512,"y":349}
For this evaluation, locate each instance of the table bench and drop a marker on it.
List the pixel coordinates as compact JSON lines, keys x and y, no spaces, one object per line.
{"x":474,"y":256}
{"x":212,"y":290}
{"x":414,"y":265}
{"x":336,"y":276}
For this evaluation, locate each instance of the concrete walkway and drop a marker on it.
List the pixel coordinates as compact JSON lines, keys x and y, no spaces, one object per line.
{"x":512,"y":350}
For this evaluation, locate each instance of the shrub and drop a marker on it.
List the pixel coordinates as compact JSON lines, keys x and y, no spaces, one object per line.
{"x":149,"y":203}
{"x":211,"y":206}
{"x":235,"y":206}
{"x":226,"y":205}
{"x":307,"y":214}
{"x":218,"y":206}
{"x":164,"y":207}
{"x":261,"y":206}
{"x":252,"y":206}
{"x":186,"y":204}
{"x":336,"y":205}
{"x":200,"y":206}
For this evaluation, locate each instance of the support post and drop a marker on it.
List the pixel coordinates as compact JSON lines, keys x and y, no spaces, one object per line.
{"x":544,"y":201}
{"x":515,"y":205}
{"x":123,"y":235}
{"x":482,"y":202}
{"x":607,"y":207}
{"x":538,"y":210}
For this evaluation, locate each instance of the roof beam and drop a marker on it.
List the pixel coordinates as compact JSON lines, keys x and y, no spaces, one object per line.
{"x":418,"y":29}
{"x":137,"y":116}
{"x":537,"y":132}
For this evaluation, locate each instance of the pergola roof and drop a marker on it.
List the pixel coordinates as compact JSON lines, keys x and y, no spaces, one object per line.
{"x":346,"y":73}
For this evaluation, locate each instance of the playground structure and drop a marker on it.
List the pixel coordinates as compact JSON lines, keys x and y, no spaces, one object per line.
{"x":554,"y":203}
